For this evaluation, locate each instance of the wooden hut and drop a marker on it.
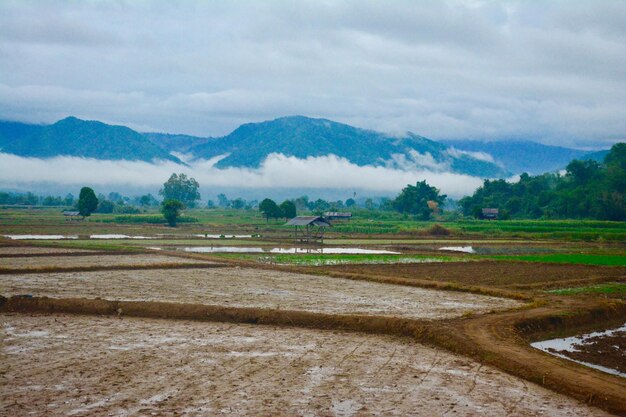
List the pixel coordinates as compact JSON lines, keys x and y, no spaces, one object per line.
{"x":308,"y":229}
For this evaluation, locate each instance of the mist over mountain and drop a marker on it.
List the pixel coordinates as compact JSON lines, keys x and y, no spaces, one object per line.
{"x":520,"y":156}
{"x":81,"y":138}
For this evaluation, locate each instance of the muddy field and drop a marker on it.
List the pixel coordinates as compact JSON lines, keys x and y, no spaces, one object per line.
{"x":73,"y":365}
{"x":17,"y":250}
{"x":491,"y":273}
{"x":78,"y":261}
{"x":243,"y":287}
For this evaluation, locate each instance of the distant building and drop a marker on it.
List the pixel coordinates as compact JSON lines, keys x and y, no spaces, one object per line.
{"x":335,"y":215}
{"x":490,"y":213}
{"x":72,"y":215}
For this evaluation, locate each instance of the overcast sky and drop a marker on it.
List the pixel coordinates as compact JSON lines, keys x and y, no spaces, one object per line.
{"x":544,"y":70}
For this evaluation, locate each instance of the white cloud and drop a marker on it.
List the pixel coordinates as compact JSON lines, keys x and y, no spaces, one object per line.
{"x":277,"y":171}
{"x":481,"y":156}
{"x":550,"y":70}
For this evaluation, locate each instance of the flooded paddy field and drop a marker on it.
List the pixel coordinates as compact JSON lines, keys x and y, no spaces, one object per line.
{"x":95,"y":260}
{"x":605,"y":351}
{"x":258,"y":288}
{"x":74,"y":365}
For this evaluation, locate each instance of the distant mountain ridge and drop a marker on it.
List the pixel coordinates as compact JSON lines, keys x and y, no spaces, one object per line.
{"x":294,"y":136}
{"x":81,"y":138}
{"x":302,"y":137}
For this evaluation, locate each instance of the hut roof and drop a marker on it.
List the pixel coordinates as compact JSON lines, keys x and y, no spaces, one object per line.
{"x":308,"y":221}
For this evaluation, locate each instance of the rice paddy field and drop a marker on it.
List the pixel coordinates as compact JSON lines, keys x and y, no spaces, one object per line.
{"x":227,"y":315}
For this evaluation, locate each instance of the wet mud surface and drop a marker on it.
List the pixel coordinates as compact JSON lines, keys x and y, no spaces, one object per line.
{"x":244,"y":287}
{"x":18,"y":250}
{"x":79,"y":261}
{"x":76,"y":365}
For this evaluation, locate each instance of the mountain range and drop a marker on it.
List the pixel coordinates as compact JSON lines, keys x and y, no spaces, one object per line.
{"x":295,"y":136}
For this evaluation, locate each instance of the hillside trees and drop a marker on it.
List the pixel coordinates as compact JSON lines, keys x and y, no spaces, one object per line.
{"x":587,"y":190}
{"x":182,"y":188}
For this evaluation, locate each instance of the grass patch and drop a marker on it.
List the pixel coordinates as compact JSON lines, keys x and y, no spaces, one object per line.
{"x":612,"y":288}
{"x":327,"y":260}
{"x":568,"y":258}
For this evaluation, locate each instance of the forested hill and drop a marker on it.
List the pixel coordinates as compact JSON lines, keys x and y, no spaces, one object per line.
{"x":75,"y":137}
{"x":527,"y":156}
{"x":587,"y":190}
{"x":302,"y":137}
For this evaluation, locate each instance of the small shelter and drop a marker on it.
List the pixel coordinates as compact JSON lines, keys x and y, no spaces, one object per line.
{"x":72,"y":215}
{"x":490,"y":213}
{"x":336,"y":215}
{"x":308,"y":229}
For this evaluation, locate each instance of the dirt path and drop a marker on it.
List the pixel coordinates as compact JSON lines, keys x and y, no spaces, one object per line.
{"x":495,"y":340}
{"x":73,"y":365}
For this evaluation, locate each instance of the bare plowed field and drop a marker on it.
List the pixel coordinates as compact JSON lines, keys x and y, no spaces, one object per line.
{"x":490,"y":273}
{"x":79,"y":261}
{"x":73,"y":365}
{"x":16,"y":250}
{"x":243,"y":287}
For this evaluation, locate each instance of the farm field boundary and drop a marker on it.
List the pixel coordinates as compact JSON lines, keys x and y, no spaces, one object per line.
{"x":500,"y":340}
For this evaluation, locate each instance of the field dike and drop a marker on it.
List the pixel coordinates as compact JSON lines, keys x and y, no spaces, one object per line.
{"x":500,"y":340}
{"x":382,"y":279}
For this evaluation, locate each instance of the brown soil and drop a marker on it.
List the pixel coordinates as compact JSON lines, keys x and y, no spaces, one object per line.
{"x":72,"y":365}
{"x":511,"y":275}
{"x":608,"y":351}
{"x":34,"y":250}
{"x":80,"y":261}
{"x":244,"y":287}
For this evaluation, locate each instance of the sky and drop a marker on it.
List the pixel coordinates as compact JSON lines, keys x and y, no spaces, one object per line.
{"x":550,"y":71}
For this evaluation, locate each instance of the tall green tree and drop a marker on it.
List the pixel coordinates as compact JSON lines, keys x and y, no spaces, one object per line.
{"x":171,"y":211}
{"x":414,"y":199}
{"x":182,"y":188}
{"x":288,"y":209}
{"x":270,"y":209}
{"x":87,"y":201}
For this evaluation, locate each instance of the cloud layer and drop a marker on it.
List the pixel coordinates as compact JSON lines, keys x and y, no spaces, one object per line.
{"x":551,"y":70}
{"x":278,"y":171}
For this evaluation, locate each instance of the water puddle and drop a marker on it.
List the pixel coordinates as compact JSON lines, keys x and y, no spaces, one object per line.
{"x":116,"y":236}
{"x":40,"y":237}
{"x":581,"y":344}
{"x":329,"y":251}
{"x":464,"y":249}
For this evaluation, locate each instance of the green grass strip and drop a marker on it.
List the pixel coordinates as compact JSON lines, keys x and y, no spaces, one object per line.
{"x":569,"y":258}
{"x":613,"y":288}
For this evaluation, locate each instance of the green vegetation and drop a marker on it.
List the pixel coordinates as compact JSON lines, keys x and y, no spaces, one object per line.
{"x":569,"y":258}
{"x":612,"y":288}
{"x":181,"y":188}
{"x":341,"y":259}
{"x":420,"y":200}
{"x":587,"y":190}
{"x":87,"y":202}
{"x":171,"y":211}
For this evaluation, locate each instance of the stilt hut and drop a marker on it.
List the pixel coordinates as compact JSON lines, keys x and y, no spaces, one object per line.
{"x":308,"y":229}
